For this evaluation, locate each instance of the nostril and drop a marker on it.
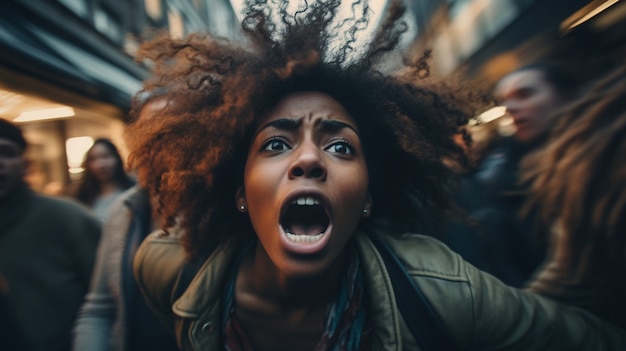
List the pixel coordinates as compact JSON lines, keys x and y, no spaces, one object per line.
{"x":316,"y":172}
{"x":298,"y":172}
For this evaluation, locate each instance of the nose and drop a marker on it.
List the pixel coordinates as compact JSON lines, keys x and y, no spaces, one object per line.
{"x":511,"y":106}
{"x":308,"y":163}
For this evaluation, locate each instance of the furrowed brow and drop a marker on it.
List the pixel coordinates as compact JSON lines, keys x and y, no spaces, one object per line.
{"x":331,"y":125}
{"x":283,"y":123}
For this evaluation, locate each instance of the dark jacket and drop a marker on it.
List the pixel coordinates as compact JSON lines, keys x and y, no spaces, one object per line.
{"x":11,"y":337}
{"x":498,"y":239}
{"x":477,"y":310}
{"x":47,"y":251}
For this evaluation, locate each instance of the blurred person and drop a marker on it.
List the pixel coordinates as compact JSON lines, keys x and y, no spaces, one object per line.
{"x":104,"y":179}
{"x":11,"y":338}
{"x":47,"y":250}
{"x":579,"y":185}
{"x":284,"y":171}
{"x":114,"y":315}
{"x":530,"y":94}
{"x":498,"y":239}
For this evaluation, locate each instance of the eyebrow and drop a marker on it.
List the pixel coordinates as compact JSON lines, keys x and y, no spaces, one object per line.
{"x":283,"y":123}
{"x":327,"y":125}
{"x":331,"y":125}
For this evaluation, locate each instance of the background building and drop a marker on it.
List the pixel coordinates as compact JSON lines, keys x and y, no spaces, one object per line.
{"x":486,"y":38}
{"x":67,"y":73}
{"x":67,"y":68}
{"x":481,"y":40}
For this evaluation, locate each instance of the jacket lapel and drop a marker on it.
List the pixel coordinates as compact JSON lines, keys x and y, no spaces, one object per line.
{"x":383,"y":311}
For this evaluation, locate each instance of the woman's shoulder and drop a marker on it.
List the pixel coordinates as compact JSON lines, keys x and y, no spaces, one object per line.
{"x":427,"y":256}
{"x":158,"y":253}
{"x":63,"y":210}
{"x":156,"y":266}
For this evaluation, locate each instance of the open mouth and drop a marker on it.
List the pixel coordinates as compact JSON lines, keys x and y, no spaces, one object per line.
{"x":305,"y":220}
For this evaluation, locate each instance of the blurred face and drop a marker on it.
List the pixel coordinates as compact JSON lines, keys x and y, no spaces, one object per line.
{"x":102,"y":162}
{"x":529,"y":100}
{"x":305,"y":183}
{"x":12,"y":166}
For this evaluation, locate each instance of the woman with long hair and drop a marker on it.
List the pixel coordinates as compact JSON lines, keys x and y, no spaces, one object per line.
{"x":579,"y":187}
{"x":104,"y":178}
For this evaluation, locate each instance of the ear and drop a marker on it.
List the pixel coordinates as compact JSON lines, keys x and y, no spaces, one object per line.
{"x":240,"y":200}
{"x":367,"y":207}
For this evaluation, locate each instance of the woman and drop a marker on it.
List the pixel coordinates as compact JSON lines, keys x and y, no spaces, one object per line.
{"x":587,"y":262}
{"x":104,"y":179}
{"x":114,"y":316}
{"x":286,"y":179}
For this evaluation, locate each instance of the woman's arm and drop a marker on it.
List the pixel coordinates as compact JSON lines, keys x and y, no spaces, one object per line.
{"x":92,"y":329}
{"x":506,"y":318}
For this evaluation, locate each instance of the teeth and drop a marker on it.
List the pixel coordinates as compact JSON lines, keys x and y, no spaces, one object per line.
{"x":306,"y":201}
{"x":304,"y":238}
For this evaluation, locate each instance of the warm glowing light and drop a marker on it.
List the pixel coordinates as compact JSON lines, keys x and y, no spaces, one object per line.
{"x":597,"y":10}
{"x":76,"y":170}
{"x":75,"y":149}
{"x":490,"y":115}
{"x":49,"y":113}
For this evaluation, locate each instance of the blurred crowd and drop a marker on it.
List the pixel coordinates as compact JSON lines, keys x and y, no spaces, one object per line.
{"x":542,"y":208}
{"x":545,"y":204}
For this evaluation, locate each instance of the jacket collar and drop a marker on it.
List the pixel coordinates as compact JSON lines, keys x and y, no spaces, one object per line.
{"x":205,"y":291}
{"x":137,"y":199}
{"x":206,"y":288}
{"x":382,"y":304}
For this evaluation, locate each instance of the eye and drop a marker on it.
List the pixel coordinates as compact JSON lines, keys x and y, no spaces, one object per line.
{"x":341,"y":147}
{"x":275,"y":144}
{"x":525,"y":93}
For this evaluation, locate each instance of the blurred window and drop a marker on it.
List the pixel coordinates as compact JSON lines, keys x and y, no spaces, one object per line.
{"x":108,"y":24}
{"x":154,"y":9}
{"x":474,"y":22}
{"x":176,"y":24}
{"x":79,"y":7}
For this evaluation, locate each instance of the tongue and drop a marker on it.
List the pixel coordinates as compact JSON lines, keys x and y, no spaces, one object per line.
{"x":303,"y":229}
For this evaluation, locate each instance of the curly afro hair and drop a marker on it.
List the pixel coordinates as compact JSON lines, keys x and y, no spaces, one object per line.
{"x":191,"y":154}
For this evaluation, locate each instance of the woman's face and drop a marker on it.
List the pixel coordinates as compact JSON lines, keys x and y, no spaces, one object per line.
{"x":102,"y":162}
{"x":529,"y":99}
{"x":305,"y":182}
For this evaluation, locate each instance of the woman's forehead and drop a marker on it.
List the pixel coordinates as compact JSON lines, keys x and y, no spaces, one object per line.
{"x":309,"y":105}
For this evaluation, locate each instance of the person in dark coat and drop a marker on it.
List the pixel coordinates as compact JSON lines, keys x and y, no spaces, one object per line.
{"x":498,"y":238}
{"x":47,"y":251}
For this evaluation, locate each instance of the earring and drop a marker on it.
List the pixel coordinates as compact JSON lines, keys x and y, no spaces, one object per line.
{"x":242,"y":206}
{"x":365,"y":211}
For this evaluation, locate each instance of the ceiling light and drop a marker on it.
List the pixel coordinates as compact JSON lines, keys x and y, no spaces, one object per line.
{"x":489,"y":115}
{"x":49,"y":113}
{"x":75,"y":149}
{"x":586,"y":13}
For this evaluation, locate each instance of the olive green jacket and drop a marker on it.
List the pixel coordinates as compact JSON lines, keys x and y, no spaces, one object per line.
{"x":479,"y":312}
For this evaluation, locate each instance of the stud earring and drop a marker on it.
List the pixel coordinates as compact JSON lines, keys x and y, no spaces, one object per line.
{"x":242,"y":206}
{"x":365,"y":211}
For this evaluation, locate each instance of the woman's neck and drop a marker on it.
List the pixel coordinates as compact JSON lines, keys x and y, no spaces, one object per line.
{"x":280,"y":312}
{"x":108,"y":188}
{"x":260,"y":280}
